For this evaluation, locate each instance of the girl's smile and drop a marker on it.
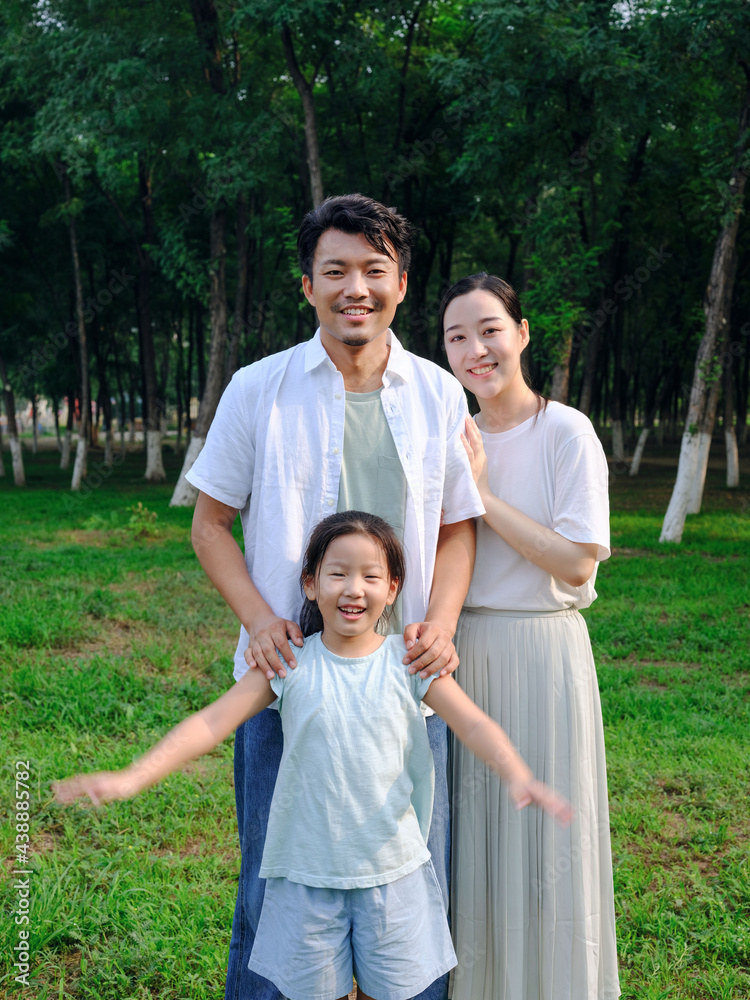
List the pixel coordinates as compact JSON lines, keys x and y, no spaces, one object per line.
{"x":352,"y":588}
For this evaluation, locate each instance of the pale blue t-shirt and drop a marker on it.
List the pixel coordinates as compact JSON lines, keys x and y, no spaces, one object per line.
{"x":353,"y":799}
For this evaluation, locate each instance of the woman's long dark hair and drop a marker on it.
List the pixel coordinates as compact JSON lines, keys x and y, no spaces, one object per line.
{"x":348,"y":522}
{"x":507,"y":295}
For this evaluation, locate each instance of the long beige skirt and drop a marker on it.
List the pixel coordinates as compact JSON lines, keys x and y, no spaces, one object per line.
{"x":532,"y":903}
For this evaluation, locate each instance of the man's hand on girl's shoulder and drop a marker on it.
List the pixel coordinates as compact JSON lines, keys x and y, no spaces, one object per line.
{"x":269,"y":649}
{"x":429,"y":649}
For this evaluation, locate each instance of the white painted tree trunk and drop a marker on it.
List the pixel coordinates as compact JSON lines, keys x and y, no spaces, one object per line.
{"x":108,"y":441}
{"x":733,"y":461}
{"x":79,"y":466}
{"x":618,"y":441}
{"x":184,"y":494}
{"x":717,"y":303}
{"x":696,"y":489}
{"x":19,"y":476}
{"x":674,"y":519}
{"x":35,"y":426}
{"x":640,"y":447}
{"x":154,"y":464}
{"x":65,"y":454}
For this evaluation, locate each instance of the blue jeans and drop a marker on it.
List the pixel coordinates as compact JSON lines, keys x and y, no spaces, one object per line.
{"x":257,"y":755}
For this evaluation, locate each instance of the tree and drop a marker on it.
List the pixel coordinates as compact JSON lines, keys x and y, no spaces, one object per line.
{"x":696,"y":439}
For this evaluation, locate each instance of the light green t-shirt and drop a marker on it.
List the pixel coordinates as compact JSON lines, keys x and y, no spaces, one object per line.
{"x":353,"y":799}
{"x":372,"y":478}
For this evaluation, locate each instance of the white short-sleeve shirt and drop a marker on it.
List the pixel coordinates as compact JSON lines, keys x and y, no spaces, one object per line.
{"x":274,"y":452}
{"x":553,"y":468}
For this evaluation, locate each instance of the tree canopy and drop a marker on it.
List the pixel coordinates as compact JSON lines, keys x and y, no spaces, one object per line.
{"x":581,"y":150}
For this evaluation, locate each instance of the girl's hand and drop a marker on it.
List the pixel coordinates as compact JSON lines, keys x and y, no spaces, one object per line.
{"x":529,"y":791}
{"x":472,"y":442}
{"x":100,"y":787}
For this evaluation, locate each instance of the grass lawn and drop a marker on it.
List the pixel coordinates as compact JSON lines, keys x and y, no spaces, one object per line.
{"x":110,"y":633}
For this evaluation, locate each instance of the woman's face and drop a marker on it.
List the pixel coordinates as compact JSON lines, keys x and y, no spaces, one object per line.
{"x":483,"y":344}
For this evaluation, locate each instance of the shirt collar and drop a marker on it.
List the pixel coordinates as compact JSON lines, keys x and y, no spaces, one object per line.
{"x":398,"y":358}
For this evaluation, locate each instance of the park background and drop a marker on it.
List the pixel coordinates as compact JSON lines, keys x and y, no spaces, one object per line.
{"x":157,"y":159}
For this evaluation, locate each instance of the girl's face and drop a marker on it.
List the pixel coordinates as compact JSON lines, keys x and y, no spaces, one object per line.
{"x":484,"y":344}
{"x":352,"y":588}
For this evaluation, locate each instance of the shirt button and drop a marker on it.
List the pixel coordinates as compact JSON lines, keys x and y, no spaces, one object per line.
{"x":330,"y":503}
{"x":338,"y":395}
{"x":335,"y":451}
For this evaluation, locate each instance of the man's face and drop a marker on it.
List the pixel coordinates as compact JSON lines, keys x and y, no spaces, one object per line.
{"x":354,"y":289}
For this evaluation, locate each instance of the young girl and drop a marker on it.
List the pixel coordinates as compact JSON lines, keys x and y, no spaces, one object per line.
{"x":532,"y":903}
{"x":350,"y":886}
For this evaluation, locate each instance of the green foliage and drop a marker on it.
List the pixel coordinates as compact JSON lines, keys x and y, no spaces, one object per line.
{"x":106,"y":642}
{"x":557,"y":144}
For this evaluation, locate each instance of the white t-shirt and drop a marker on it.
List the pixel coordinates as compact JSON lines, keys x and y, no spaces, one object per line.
{"x":353,"y":799}
{"x":274,"y":452}
{"x":553,"y":468}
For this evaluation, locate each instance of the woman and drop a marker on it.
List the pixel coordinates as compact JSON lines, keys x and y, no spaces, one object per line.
{"x":532,"y":908}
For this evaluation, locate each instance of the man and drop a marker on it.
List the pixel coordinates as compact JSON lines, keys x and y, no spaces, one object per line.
{"x":348,"y":420}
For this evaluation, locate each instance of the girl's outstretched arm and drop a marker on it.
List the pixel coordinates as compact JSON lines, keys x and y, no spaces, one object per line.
{"x":490,"y":743}
{"x":192,"y":738}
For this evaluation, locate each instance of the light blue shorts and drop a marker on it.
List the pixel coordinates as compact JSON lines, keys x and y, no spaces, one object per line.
{"x":394,"y":938}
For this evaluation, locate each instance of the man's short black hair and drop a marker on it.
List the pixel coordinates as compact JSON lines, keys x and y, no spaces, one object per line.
{"x":356,"y":213}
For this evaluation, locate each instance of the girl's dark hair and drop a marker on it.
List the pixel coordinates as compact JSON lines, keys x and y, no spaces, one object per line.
{"x":354,"y":214}
{"x":507,"y":295}
{"x":348,"y":522}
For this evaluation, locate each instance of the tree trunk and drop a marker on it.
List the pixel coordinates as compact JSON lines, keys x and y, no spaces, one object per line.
{"x":561,"y":371}
{"x":653,"y":409}
{"x":19,"y":476}
{"x":618,"y":442}
{"x":2,"y":463}
{"x":743,"y":381}
{"x":718,"y":297}
{"x":152,"y":405}
{"x":35,"y":423}
{"x":79,"y":466}
{"x":56,"y":412}
{"x":705,"y":436}
{"x":616,"y":401}
{"x":589,"y":370}
{"x":68,"y":436}
{"x":184,"y":494}
{"x":640,"y":447}
{"x":305,"y":91}
{"x":240,"y":295}
{"x":730,"y":437}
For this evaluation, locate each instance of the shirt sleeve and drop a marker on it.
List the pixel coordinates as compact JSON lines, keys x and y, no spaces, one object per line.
{"x":277,"y":686}
{"x":421,"y":686}
{"x":461,"y":498}
{"x":581,"y":506}
{"x":224,"y":468}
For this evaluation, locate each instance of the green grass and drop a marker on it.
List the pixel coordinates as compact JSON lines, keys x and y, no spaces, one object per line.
{"x":110,"y":633}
